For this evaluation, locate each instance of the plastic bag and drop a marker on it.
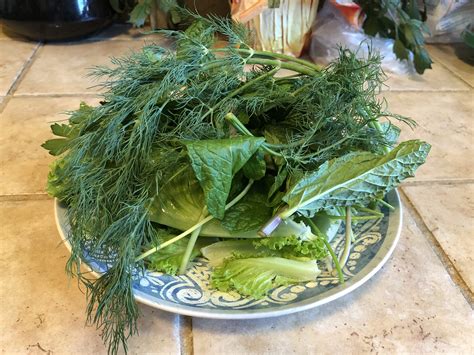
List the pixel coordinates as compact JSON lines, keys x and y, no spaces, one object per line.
{"x":339,"y":24}
{"x":447,"y":19}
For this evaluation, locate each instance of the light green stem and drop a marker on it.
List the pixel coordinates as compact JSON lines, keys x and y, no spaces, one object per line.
{"x":386,"y":204}
{"x":196,"y":226}
{"x":349,"y":236}
{"x":316,"y":231}
{"x":376,"y":125}
{"x":191,"y":243}
{"x":252,"y":53}
{"x":232,"y":119}
{"x":240,"y":89}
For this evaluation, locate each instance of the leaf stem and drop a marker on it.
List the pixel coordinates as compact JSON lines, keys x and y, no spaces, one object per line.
{"x":232,"y":119}
{"x":240,"y":89}
{"x":253,"y":53}
{"x":316,"y":231}
{"x":386,"y":204}
{"x":196,"y":226}
{"x":349,"y":236}
{"x":191,"y":243}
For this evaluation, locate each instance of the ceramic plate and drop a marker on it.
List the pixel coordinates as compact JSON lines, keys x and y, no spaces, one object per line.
{"x":192,"y":295}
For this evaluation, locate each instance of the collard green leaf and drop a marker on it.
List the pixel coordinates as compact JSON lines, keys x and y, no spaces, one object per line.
{"x":215,"y":162}
{"x":391,"y":132}
{"x":354,"y":178}
{"x":256,"y":276}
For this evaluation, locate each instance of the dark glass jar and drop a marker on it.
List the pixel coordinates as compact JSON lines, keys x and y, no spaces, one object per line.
{"x":55,"y":19}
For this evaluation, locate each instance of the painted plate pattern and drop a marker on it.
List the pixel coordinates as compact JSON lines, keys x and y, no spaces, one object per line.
{"x":191,"y":294}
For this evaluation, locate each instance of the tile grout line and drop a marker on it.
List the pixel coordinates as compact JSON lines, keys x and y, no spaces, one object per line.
{"x":24,"y":70}
{"x":453,"y":73}
{"x":462,"y":181}
{"x":186,"y":344}
{"x":429,"y":91}
{"x":42,"y":196}
{"x":20,"y":76}
{"x":49,"y":95}
{"x":438,"y":249}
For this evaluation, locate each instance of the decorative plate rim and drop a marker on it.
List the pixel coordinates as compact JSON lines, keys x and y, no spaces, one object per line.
{"x":369,"y":270}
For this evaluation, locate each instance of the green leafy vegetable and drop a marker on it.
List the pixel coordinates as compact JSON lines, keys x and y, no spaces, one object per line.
{"x":215,"y":162}
{"x":247,"y":215}
{"x":292,"y":247}
{"x":255,"y":168}
{"x":216,"y":253}
{"x":256,"y":276}
{"x":355,"y":178}
{"x":168,"y":260}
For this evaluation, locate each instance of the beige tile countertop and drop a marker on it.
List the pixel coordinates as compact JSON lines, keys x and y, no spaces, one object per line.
{"x":420,"y":302}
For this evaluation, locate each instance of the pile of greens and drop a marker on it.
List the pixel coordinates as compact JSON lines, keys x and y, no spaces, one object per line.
{"x":209,"y":149}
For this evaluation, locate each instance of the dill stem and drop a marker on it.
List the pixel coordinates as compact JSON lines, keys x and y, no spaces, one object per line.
{"x":315,"y":154}
{"x":285,"y":65}
{"x":240,"y":89}
{"x":191,"y":243}
{"x":316,"y":231}
{"x":288,"y":58}
{"x":231,"y":118}
{"x":196,"y":226}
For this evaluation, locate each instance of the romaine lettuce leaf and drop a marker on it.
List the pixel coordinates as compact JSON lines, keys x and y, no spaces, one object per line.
{"x":256,"y":276}
{"x":168,"y":260}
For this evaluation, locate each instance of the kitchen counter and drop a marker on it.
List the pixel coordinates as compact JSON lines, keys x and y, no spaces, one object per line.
{"x":420,"y":302}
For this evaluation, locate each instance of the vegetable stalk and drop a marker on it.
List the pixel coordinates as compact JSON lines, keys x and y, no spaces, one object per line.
{"x":191,"y":243}
{"x":316,"y":231}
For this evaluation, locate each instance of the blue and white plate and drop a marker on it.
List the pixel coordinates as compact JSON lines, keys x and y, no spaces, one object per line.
{"x":192,"y":295}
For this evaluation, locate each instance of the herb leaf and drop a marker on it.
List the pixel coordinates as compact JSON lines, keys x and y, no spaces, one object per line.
{"x":215,"y":162}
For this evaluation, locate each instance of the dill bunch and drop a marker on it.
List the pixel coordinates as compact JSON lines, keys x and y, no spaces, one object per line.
{"x":117,"y":156}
